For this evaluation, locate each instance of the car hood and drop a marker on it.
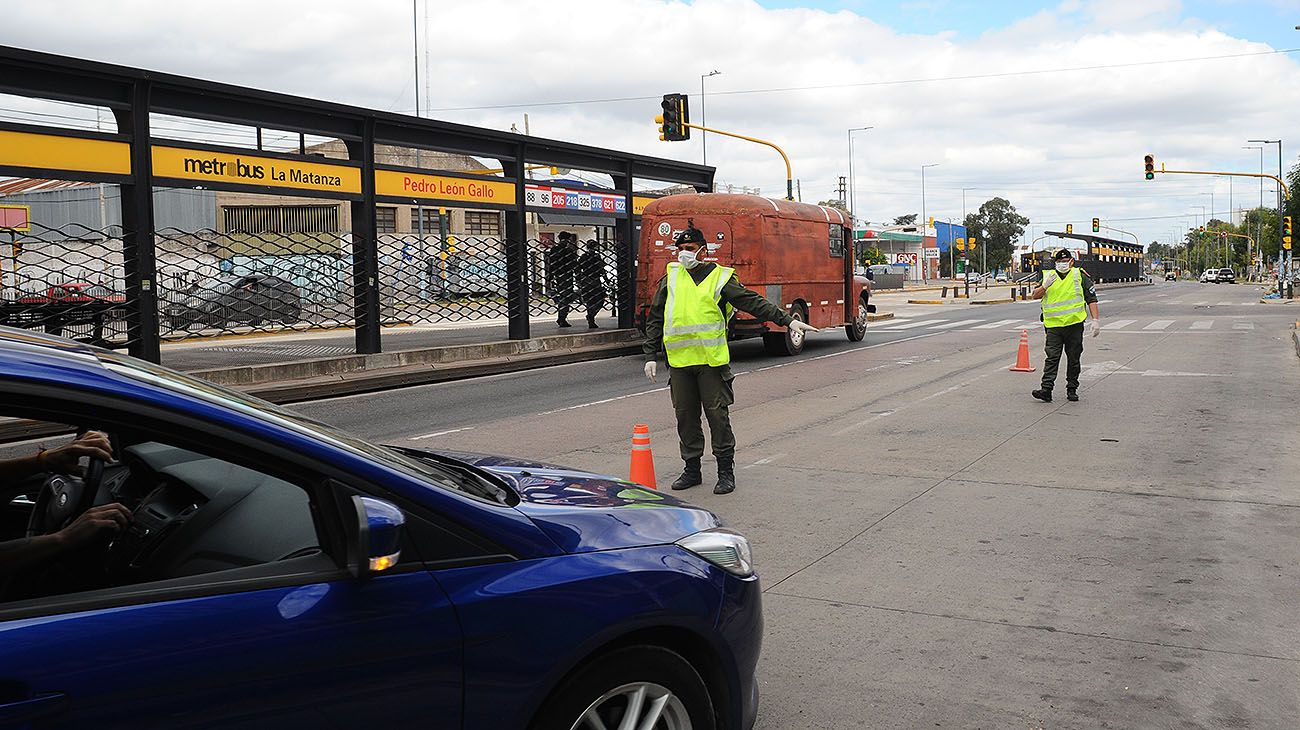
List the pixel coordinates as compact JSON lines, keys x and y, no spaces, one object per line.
{"x":585,"y":512}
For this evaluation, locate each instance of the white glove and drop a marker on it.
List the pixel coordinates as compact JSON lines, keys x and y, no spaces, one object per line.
{"x":651,"y":368}
{"x":1094,"y":328}
{"x":801,"y":326}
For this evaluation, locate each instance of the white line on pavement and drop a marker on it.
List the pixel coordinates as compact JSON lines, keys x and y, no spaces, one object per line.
{"x":1202,"y":324}
{"x":995,"y":325}
{"x":1244,"y":325}
{"x":909,"y":325}
{"x":1118,"y":324}
{"x":958,"y":323}
{"x":1159,"y":324}
{"x":440,"y":433}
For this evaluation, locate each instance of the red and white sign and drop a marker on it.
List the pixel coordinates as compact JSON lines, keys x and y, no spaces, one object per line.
{"x":15,"y":218}
{"x":905,"y":258}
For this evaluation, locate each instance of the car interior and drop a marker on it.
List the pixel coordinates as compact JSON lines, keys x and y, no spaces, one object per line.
{"x":192,"y":515}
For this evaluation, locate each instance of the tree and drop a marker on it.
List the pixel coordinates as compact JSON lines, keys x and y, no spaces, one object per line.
{"x":868,"y":255}
{"x":995,"y":226}
{"x":836,"y":203}
{"x":905,"y":220}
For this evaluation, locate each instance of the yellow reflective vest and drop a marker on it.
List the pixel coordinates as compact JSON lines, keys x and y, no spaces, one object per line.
{"x":695,"y":329}
{"x":1063,"y":303}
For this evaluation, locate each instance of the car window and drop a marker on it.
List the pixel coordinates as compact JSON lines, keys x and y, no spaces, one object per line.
{"x":162,"y":513}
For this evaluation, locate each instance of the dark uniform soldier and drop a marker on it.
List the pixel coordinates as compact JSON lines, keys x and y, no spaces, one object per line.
{"x":688,"y":321}
{"x":1068,"y":297}
{"x":561,"y":265}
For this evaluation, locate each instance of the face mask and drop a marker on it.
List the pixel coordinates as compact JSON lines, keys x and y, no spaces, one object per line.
{"x":687,"y":259}
{"x":1062,"y":266}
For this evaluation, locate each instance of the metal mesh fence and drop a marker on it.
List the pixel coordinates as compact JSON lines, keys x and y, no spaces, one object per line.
{"x":452,"y":279}
{"x":68,"y":281}
{"x":212,"y":283}
{"x":572,"y":279}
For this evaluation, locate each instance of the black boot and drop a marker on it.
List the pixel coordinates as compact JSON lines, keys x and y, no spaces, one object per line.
{"x":1043,"y":395}
{"x":726,"y":475}
{"x":691,"y":476}
{"x":563,"y":322}
{"x":1071,"y":394}
{"x":591,"y":323}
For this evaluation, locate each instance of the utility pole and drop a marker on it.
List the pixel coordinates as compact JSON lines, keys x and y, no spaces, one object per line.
{"x":841,"y":191}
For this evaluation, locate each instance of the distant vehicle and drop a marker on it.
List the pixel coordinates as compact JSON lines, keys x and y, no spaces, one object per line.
{"x":799,"y":256}
{"x":1209,"y":276}
{"x":1226,"y":276}
{"x":1170,"y":276}
{"x":69,"y":304}
{"x":874,"y":269}
{"x":250,"y":299}
{"x":1001,"y":278}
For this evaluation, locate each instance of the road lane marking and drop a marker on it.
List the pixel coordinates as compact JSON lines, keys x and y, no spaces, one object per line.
{"x":1243,"y":325}
{"x":995,"y":325}
{"x":1159,"y":324}
{"x":909,"y":325}
{"x":958,"y":323}
{"x":1118,"y":324}
{"x":885,"y":414}
{"x":440,"y":433}
{"x":767,"y":460}
{"x":1202,"y":324}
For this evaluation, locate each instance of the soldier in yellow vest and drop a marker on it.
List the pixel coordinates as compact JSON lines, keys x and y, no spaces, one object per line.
{"x":1068,"y":297}
{"x":688,"y":321}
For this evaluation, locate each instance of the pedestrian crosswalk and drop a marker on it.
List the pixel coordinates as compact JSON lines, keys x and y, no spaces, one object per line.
{"x":1122,"y":326}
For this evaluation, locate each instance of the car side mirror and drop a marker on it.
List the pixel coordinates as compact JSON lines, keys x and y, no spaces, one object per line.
{"x":378,"y":537}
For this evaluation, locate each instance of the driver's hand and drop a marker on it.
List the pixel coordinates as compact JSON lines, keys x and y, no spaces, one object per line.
{"x":64,"y":458}
{"x":94,"y":524}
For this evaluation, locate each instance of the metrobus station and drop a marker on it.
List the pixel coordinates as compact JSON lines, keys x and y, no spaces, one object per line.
{"x":153,"y":207}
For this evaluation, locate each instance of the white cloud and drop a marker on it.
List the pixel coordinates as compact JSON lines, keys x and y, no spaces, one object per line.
{"x":1061,"y":146}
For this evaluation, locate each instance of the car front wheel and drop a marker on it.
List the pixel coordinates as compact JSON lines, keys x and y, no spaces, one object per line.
{"x":636,"y":687}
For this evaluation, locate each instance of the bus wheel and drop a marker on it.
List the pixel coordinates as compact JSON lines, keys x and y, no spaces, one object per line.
{"x":857,"y":329}
{"x":788,"y":342}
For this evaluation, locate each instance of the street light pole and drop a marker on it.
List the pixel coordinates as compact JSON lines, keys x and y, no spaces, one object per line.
{"x":852,"y":190}
{"x":704,"y":121}
{"x":923,"y":218}
{"x":983,"y":250}
{"x":1280,"y":250}
{"x":1250,"y":262}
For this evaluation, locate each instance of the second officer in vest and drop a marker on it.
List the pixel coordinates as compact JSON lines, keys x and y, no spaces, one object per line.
{"x":1068,"y":297}
{"x":688,"y":321}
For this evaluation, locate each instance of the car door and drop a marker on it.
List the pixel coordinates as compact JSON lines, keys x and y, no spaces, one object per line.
{"x":292,"y":642}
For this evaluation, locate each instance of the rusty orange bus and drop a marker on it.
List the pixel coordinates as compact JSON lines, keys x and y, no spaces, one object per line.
{"x":799,"y":256}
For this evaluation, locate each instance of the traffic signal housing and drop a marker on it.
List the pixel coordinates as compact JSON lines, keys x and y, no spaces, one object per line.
{"x":1069,"y":228}
{"x":675,"y":117}
{"x":1286,"y":226}
{"x":1150,"y":162}
{"x":1096,"y":225}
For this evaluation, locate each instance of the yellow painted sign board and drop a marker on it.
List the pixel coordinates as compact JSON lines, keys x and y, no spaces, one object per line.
{"x":639,"y":204}
{"x":395,"y":184}
{"x":57,"y":152}
{"x":245,"y":169}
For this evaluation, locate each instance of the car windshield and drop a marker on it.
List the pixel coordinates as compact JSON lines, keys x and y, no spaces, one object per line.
{"x":283,"y":417}
{"x":220,"y":283}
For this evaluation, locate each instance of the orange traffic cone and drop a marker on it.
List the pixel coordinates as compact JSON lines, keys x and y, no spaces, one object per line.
{"x":1022,"y":356}
{"x":642,"y":470}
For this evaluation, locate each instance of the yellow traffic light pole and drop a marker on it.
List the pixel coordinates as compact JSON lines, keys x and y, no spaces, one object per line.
{"x":789,"y":175}
{"x":1286,"y":193}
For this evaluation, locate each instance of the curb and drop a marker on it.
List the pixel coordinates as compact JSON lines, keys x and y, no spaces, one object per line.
{"x":927,"y":301}
{"x":289,"y":391}
{"x":1276,"y":301}
{"x":877,"y":316}
{"x":994,"y":301}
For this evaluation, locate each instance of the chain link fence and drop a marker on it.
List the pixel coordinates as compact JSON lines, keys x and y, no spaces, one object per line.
{"x":68,"y":281}
{"x":71,"y":281}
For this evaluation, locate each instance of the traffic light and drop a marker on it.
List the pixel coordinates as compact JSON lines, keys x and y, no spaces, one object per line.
{"x":972,"y":243}
{"x":1150,"y":161}
{"x":676,"y":115}
{"x":1069,"y":228}
{"x":1286,"y":226}
{"x":1096,"y":225}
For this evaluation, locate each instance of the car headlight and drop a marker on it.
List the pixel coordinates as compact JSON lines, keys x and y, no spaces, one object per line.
{"x":724,"y":548}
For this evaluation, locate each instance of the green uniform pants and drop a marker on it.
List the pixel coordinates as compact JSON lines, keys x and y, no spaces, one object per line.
{"x":1070,"y":339}
{"x":701,"y":386}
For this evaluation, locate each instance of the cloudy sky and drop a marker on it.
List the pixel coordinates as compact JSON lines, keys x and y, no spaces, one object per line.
{"x":1050,"y":105}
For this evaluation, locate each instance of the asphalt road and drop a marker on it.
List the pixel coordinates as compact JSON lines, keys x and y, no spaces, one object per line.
{"x":940,"y":550}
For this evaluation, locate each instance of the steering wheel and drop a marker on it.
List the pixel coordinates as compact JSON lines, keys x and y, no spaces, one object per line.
{"x":63,"y":498}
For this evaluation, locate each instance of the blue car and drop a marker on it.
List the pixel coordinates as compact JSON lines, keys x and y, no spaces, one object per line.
{"x":277,"y":573}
